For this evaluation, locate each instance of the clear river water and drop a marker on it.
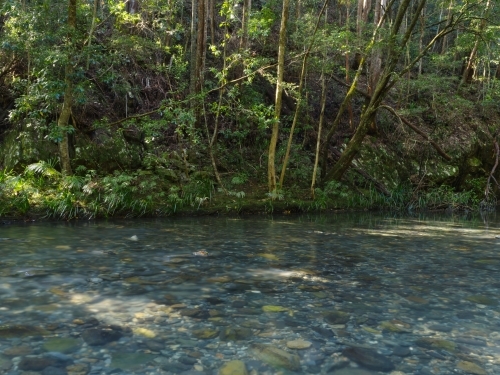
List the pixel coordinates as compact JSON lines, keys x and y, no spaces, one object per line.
{"x":341,"y":294}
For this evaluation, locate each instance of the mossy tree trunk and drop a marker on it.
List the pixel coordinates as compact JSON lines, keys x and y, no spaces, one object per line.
{"x":271,"y":168}
{"x":301,"y":86}
{"x":396,"y":43}
{"x":65,"y":114}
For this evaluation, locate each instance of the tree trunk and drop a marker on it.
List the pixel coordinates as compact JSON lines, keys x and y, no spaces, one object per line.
{"x":376,"y":57}
{"x":444,"y":44}
{"x":211,"y":15}
{"x":245,"y":19}
{"x":271,"y":168}
{"x":193,"y":75}
{"x":198,"y":47}
{"x":364,"y":7}
{"x":468,"y":72}
{"x":347,"y":65}
{"x":301,"y":85}
{"x":65,"y":114}
{"x":132,"y":6}
{"x":201,"y":43}
{"x":320,"y":128}
{"x":386,"y":81}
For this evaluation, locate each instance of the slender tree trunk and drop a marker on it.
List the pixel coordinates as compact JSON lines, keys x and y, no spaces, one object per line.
{"x":213,"y":139}
{"x":271,"y":168}
{"x":301,"y":85}
{"x":320,"y":128}
{"x":444,"y":44}
{"x":212,"y":13}
{"x":65,"y":114}
{"x":386,"y":81}
{"x":92,"y":28}
{"x":201,"y":44}
{"x":347,"y":68}
{"x":364,"y":7}
{"x":421,"y":41}
{"x":245,"y":19}
{"x":376,"y":58}
{"x":193,"y":48}
{"x":468,"y":72}
{"x":198,"y":47}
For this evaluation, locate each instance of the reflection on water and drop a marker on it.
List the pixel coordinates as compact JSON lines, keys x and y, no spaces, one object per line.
{"x":342,"y":294}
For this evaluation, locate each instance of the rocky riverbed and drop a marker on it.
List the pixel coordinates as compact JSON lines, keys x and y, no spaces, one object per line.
{"x":250,"y":296}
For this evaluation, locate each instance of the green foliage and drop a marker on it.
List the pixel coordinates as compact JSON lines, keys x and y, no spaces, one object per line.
{"x":277,"y":194}
{"x":239,"y":179}
{"x":131,"y":73}
{"x":261,"y":23}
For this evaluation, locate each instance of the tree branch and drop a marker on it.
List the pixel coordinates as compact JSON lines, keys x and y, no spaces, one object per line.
{"x":439,"y":150}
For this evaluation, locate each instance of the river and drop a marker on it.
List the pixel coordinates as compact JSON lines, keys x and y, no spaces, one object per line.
{"x":343,"y":294}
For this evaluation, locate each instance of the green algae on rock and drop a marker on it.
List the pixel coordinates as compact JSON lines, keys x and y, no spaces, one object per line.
{"x":432,"y":343}
{"x":235,"y":367}
{"x":274,"y":309}
{"x":235,"y":333}
{"x":9,"y":331}
{"x":471,"y":368}
{"x":64,"y":345}
{"x":205,"y":334}
{"x":482,"y":300}
{"x":276,"y":357}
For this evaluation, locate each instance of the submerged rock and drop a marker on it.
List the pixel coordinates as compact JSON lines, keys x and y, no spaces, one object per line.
{"x":17,"y":351}
{"x":416,"y":299}
{"x":5,"y":363}
{"x":141,"y":331}
{"x":393,"y":327}
{"x":471,"y":368}
{"x":325,"y":332}
{"x":337,"y":317}
{"x":432,"y":343}
{"x":129,"y":361}
{"x":482,"y":300}
{"x":61,"y":344}
{"x":19,"y":330}
{"x":102,"y":335}
{"x":40,"y":363}
{"x":276,"y":357}
{"x":195,"y":313}
{"x":78,"y":369}
{"x":235,"y":333}
{"x":233,"y":368}
{"x":205,"y":334}
{"x":298,"y":344}
{"x":35,"y":363}
{"x":274,"y":309}
{"x":369,"y":358}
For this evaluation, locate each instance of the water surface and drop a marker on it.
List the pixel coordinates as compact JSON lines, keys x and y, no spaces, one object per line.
{"x":342,"y":294}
